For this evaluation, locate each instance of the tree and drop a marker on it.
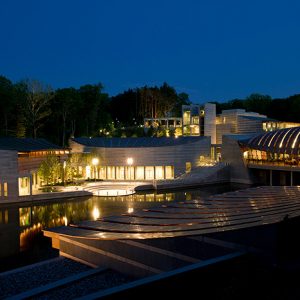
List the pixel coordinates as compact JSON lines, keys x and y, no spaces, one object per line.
{"x":67,"y":104}
{"x":258,"y":103}
{"x":95,"y":108}
{"x":50,"y":170}
{"x":36,"y":106}
{"x":6,"y":102}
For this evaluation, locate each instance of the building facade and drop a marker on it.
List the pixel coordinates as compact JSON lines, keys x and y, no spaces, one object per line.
{"x":271,"y":158}
{"x":20,"y":159}
{"x":141,"y":158}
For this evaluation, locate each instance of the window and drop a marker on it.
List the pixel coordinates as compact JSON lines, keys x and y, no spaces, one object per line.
{"x":24,"y":186}
{"x":149,"y":173}
{"x":169,"y":172}
{"x":102,"y":173}
{"x":5,"y":189}
{"x":120,"y":173}
{"x":159,"y":172}
{"x":140,"y":174}
{"x":111,"y":173}
{"x":188,"y":167}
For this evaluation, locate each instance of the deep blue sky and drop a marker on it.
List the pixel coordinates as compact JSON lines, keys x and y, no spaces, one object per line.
{"x":212,"y":49}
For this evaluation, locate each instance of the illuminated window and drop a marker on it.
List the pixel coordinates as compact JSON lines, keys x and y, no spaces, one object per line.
{"x":159,"y":172}
{"x":149,"y":171}
{"x":169,"y":172}
{"x":186,"y":118}
{"x":5,"y":189}
{"x":139,"y":173}
{"x":188,"y":167}
{"x":88,"y":172}
{"x":129,"y":173}
{"x":102,"y":173}
{"x":111,"y":173}
{"x":120,"y":173}
{"x":24,"y":186}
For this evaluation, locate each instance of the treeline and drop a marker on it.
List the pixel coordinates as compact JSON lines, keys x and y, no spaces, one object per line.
{"x":31,"y":109}
{"x":282,"y":109}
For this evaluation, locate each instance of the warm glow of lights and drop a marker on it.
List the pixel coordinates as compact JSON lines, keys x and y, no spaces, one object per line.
{"x":96,"y":213}
{"x":130,"y":210}
{"x":271,"y":139}
{"x":95,"y":161}
{"x":65,"y":221}
{"x":295,"y":140}
{"x":129,"y":160}
{"x":284,"y":138}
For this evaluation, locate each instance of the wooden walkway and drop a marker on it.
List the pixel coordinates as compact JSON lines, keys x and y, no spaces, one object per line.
{"x":228,"y":211}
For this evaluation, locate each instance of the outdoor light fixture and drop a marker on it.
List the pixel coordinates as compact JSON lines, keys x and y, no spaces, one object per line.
{"x":129,"y":161}
{"x":95,"y":161}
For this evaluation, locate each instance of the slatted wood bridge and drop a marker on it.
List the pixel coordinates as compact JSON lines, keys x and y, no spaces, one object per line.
{"x":160,"y":239}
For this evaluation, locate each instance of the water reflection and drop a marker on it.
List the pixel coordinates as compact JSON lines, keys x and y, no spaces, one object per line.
{"x":20,"y":225}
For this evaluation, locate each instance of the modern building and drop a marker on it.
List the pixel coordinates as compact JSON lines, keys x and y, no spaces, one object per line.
{"x":199,"y":120}
{"x":271,"y":158}
{"x":141,"y":158}
{"x":168,"y":123}
{"x":272,"y":125}
{"x":238,"y":121}
{"x":20,"y":159}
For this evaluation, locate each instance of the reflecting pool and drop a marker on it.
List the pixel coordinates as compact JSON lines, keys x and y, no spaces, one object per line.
{"x":21,"y":225}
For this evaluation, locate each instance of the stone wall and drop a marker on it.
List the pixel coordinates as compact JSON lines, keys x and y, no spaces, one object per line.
{"x":9,"y":174}
{"x":232,"y":155}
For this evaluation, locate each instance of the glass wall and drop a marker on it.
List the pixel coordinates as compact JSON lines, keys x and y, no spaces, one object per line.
{"x":272,"y":158}
{"x":24,"y":186}
{"x":140,"y":173}
{"x":132,"y":172}
{"x":149,"y":173}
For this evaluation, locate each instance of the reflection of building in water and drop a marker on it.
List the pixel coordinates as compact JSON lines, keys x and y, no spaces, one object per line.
{"x":19,"y":160}
{"x":9,"y":231}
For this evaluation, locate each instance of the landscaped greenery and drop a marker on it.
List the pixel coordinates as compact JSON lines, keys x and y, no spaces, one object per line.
{"x":32,"y":109}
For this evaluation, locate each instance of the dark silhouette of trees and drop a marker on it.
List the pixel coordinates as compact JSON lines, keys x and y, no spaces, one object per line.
{"x":36,"y":106}
{"x":31,"y":108}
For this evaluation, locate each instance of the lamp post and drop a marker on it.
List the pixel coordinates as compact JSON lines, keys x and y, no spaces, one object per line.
{"x":95,"y":162}
{"x":130,"y":162}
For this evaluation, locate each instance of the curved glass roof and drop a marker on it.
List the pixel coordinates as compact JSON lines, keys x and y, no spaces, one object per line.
{"x":285,"y":140}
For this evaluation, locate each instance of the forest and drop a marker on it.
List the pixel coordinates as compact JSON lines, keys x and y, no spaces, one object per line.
{"x":30,"y":108}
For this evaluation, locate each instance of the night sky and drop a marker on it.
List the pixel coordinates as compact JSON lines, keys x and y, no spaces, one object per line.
{"x":212,"y":50}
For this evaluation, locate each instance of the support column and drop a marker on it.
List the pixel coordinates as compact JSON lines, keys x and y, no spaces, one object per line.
{"x":291,"y":178}
{"x":30,"y":184}
{"x":271,"y":179}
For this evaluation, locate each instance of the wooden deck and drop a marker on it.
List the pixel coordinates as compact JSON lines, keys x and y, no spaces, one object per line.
{"x":228,"y":211}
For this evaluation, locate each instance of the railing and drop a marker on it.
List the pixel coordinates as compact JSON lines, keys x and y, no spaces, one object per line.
{"x":279,"y":163}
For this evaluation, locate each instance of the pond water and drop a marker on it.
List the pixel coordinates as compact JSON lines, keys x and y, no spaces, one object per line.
{"x":21,"y":238}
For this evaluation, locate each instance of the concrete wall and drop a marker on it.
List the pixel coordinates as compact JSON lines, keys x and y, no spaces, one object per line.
{"x":210,"y":121}
{"x":9,"y":173}
{"x":232,"y":154}
{"x":175,"y":156}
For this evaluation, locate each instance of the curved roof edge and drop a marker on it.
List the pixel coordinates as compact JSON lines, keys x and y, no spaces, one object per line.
{"x":136,"y":142}
{"x":285,"y":140}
